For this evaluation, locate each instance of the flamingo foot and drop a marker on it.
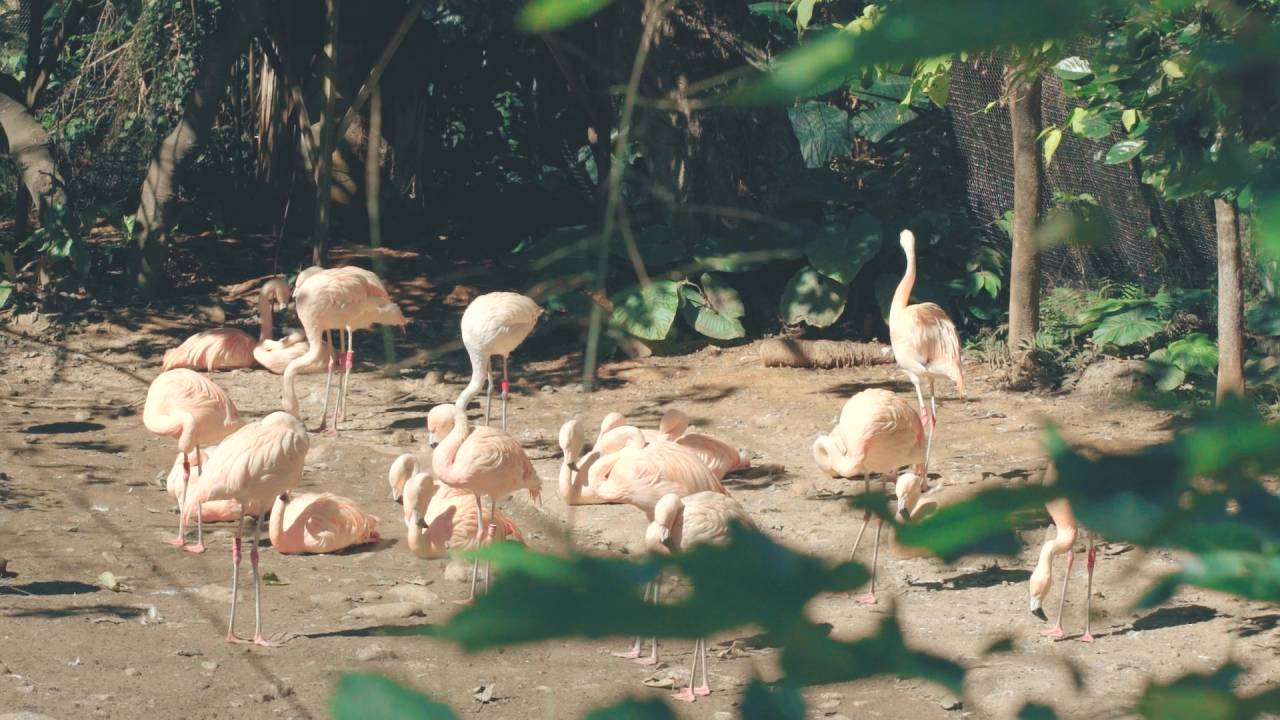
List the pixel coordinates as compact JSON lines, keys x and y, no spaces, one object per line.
{"x":868,"y":599}
{"x":195,"y":549}
{"x":685,"y":695}
{"x":702,"y":690}
{"x":464,"y":603}
{"x":648,"y":660}
{"x":1053,"y":632}
{"x":236,"y":639}
{"x":632,"y":654}
{"x":176,"y":542}
{"x":1086,"y":638}
{"x":329,"y":432}
{"x":263,"y":642}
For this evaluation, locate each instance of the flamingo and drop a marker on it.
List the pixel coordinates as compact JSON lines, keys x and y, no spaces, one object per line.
{"x":319,"y":523}
{"x":228,"y":348}
{"x":483,"y":461}
{"x":1063,"y":541}
{"x":254,"y":466}
{"x":441,"y":519}
{"x":877,"y":432}
{"x":719,"y":455}
{"x":678,"y":524}
{"x":925,"y":343}
{"x":346,"y":298}
{"x":185,"y":405}
{"x":494,"y":324}
{"x":176,"y":486}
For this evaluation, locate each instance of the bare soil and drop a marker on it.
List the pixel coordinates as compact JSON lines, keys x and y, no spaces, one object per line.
{"x":81,"y":493}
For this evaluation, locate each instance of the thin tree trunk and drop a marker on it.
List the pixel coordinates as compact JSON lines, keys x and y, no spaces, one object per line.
{"x":373,"y":199}
{"x":324,"y":166}
{"x":152,"y":221}
{"x":1230,"y":301}
{"x":30,"y":147}
{"x":1024,"y":270}
{"x":35,"y":38}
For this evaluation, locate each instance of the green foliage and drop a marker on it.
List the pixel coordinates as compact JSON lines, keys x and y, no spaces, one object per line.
{"x":6,"y":290}
{"x":812,"y":298}
{"x":648,"y":312}
{"x":633,"y":709}
{"x":61,"y":236}
{"x":713,"y":308}
{"x":548,"y":15}
{"x":1206,"y":697}
{"x":776,"y":701}
{"x":840,"y":251}
{"x":822,"y":131}
{"x":369,"y":695}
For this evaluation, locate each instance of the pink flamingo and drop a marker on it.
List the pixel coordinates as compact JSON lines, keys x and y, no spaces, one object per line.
{"x":187,"y":406}
{"x":924,"y":340}
{"x":719,"y":455}
{"x":443,"y":519}
{"x":319,"y":523}
{"x":678,"y":524}
{"x":341,"y":299}
{"x":1063,"y":541}
{"x":254,"y":466}
{"x":483,"y":461}
{"x":494,"y":324}
{"x":176,"y":486}
{"x":877,"y":432}
{"x":229,"y":348}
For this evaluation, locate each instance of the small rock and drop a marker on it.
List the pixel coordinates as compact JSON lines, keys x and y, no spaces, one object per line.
{"x":81,"y":416}
{"x":951,"y":704}
{"x":387,"y":611}
{"x":209,"y":665}
{"x":1109,"y":377}
{"x":187,"y":653}
{"x":274,"y":691}
{"x":546,"y":389}
{"x":131,"y":672}
{"x":402,"y":437}
{"x":370,"y":596}
{"x":433,"y":377}
{"x":374,"y":653}
{"x":414,"y":593}
{"x":831,"y":696}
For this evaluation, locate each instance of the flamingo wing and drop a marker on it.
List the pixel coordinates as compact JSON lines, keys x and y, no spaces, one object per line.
{"x":217,"y":349}
{"x":254,"y":465}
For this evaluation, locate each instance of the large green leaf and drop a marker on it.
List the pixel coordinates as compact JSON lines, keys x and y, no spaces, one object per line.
{"x":1263,"y":317}
{"x":368,"y":695}
{"x":1195,"y":354}
{"x":547,"y":15}
{"x":1127,"y":328}
{"x":981,"y":524}
{"x":1167,"y":376}
{"x":747,"y":251}
{"x":887,"y":89}
{"x":714,"y":309}
{"x":1072,"y":68}
{"x":822,"y":130}
{"x":1250,"y":575}
{"x":812,"y":657}
{"x":811,"y":298}
{"x":1206,"y":697}
{"x":877,"y":122}
{"x":1124,"y":151}
{"x":775,"y":11}
{"x":6,"y":289}
{"x":633,"y":709}
{"x":840,"y":251}
{"x":647,"y":312}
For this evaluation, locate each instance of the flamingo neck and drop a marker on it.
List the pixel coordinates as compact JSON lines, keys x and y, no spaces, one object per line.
{"x":186,"y":440}
{"x":448,"y":448}
{"x":265,"y":317}
{"x":275,"y":530}
{"x":315,"y":338}
{"x":841,"y":462}
{"x":902,"y":296}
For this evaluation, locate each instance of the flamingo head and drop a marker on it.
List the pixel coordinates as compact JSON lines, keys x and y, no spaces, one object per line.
{"x":302,"y":276}
{"x":440,"y":422}
{"x":398,"y":475}
{"x":908,"y":240}
{"x":418,"y":491}
{"x":674,"y":423}
{"x":1038,"y":589}
{"x":657,"y":536}
{"x":909,"y":488}
{"x":278,"y":291}
{"x":611,"y":421}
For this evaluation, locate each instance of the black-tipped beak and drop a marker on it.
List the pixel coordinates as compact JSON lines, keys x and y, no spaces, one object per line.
{"x":1039,"y":613}
{"x":906,"y":514}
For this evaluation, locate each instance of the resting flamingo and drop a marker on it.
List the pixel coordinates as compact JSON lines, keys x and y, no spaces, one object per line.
{"x":339,"y":299}
{"x":719,"y":455}
{"x":1063,"y":541}
{"x":319,"y":523}
{"x":877,"y":432}
{"x":229,"y":348}
{"x":483,"y":461}
{"x":925,"y":342}
{"x":176,"y":486}
{"x":254,"y":466}
{"x":494,"y":324}
{"x":440,"y":519}
{"x":678,"y":524}
{"x":185,"y":405}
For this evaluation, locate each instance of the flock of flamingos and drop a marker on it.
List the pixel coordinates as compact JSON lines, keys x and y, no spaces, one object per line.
{"x":672,"y":474}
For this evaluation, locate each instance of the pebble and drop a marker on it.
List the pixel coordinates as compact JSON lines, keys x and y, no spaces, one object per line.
{"x":131,"y":672}
{"x":273,"y":691}
{"x":402,"y":437}
{"x":459,"y":571}
{"x":414,"y":593}
{"x":387,"y":611}
{"x":210,"y":665}
{"x":370,"y":596}
{"x":81,"y":415}
{"x":374,"y":653}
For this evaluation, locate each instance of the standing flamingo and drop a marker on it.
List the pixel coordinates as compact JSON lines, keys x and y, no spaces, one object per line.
{"x":339,"y":299}
{"x":494,"y":324}
{"x":319,"y":523}
{"x":229,"y":348}
{"x":678,"y":524}
{"x":924,"y":340}
{"x":1063,"y":541}
{"x":254,"y":466}
{"x":187,"y":406}
{"x":483,"y":461}
{"x":443,"y":519}
{"x":877,"y":432}
{"x":176,"y":486}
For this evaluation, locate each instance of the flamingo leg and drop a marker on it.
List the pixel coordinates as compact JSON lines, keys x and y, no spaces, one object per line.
{"x":1056,"y":630}
{"x":505,"y":387}
{"x":870,"y":597}
{"x":931,"y":422}
{"x":488,"y":389}
{"x":1090,"y":560}
{"x":653,"y":651}
{"x":235,"y":581}
{"x":328,"y":381}
{"x":199,"y":546}
{"x":489,"y":531}
{"x":705,"y":688}
{"x":688,"y":694}
{"x":634,"y":652}
{"x":257,"y":588}
{"x":475,"y":565}
{"x":182,"y":504}
{"x":348,"y":362}
{"x":865,"y":517}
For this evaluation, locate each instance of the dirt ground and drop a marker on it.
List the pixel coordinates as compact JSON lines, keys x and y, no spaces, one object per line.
{"x":81,"y":493}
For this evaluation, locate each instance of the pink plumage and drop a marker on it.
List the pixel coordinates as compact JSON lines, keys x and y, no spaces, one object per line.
{"x":319,"y":523}
{"x":878,"y":432}
{"x":718,"y":455}
{"x":494,"y":324}
{"x":229,"y":348}
{"x":441,"y":519}
{"x":176,"y":485}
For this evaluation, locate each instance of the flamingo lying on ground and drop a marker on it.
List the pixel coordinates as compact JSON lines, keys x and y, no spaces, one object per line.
{"x":176,"y":486}
{"x":719,"y":455}
{"x":877,"y":432}
{"x":440,"y":519}
{"x":494,"y":324}
{"x":1063,"y":541}
{"x":483,"y":461}
{"x":319,"y":523}
{"x":185,"y":405}
{"x":254,"y":466}
{"x":925,"y":342}
{"x":341,"y":299}
{"x":679,"y":524}
{"x":229,"y":348}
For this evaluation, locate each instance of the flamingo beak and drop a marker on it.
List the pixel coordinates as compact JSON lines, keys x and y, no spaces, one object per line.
{"x":1038,"y":611}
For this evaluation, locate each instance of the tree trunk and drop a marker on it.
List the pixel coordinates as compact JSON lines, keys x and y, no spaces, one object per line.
{"x":1230,"y":301}
{"x":152,"y":221}
{"x":35,"y":39}
{"x":324,"y":166}
{"x":29,"y":145}
{"x":1024,"y":270}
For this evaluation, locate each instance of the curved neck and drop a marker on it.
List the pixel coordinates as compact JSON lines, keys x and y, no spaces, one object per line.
{"x":836,"y":458}
{"x":186,"y":440}
{"x":264,"y":316}
{"x":447,"y":451}
{"x":316,"y":346}
{"x":275,"y":530}
{"x":902,"y":295}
